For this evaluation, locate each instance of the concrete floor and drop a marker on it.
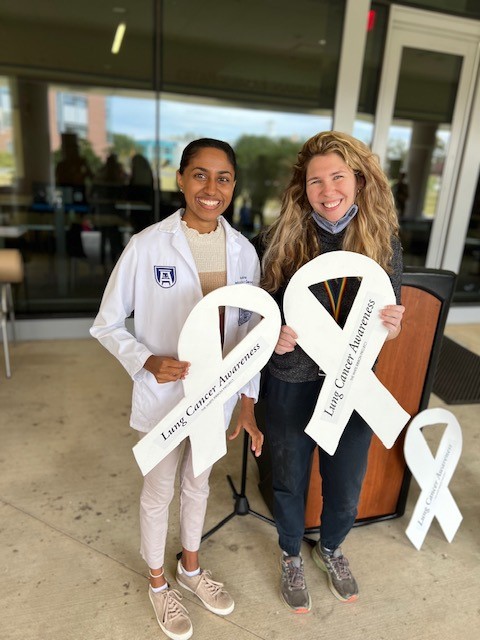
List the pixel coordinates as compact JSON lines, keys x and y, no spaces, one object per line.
{"x":69,"y":556}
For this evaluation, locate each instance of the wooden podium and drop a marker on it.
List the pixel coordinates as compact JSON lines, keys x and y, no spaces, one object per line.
{"x":406,"y":366}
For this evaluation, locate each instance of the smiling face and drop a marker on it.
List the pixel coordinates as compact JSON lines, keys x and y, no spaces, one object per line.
{"x":207,"y":183}
{"x":331,"y":186}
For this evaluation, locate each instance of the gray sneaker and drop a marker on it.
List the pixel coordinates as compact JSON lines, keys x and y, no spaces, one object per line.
{"x":171,"y":614}
{"x":212,"y":594}
{"x":294,"y":588}
{"x":340,"y":579}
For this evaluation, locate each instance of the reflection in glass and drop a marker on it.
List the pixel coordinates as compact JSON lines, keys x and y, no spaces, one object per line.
{"x":372,"y":64}
{"x":266,"y":143}
{"x":468,"y":281}
{"x":469,"y":8}
{"x":80,"y":192}
{"x":7,"y":159}
{"x":418,"y":141}
{"x":71,"y":41}
{"x":363,"y":129}
{"x":89,"y":147}
{"x":71,"y":199}
{"x":277,"y":52}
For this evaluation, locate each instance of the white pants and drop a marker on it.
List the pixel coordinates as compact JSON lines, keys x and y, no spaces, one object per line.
{"x":157,"y":493}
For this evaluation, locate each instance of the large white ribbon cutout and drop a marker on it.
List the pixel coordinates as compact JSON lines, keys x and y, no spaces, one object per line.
{"x":212,"y":379}
{"x":433,"y":474}
{"x":345,"y":355}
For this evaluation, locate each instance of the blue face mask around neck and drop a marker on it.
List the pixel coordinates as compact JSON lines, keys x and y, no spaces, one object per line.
{"x":339,"y":225}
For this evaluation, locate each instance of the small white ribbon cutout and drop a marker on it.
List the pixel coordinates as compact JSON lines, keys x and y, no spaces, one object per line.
{"x":212,"y":379}
{"x":345,"y":355}
{"x":433,"y":474}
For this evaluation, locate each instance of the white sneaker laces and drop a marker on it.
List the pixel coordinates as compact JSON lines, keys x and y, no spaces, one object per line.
{"x":296,"y":576}
{"x":340,"y":567}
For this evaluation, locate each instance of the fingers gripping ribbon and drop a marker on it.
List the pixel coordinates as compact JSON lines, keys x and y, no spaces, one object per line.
{"x":433,"y":474}
{"x":212,"y":379}
{"x":345,"y":355}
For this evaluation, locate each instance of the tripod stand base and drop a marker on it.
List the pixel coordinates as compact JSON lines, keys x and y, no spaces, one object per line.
{"x":241,"y":506}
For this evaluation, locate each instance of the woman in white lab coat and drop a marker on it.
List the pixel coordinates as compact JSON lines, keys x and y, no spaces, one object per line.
{"x":163,"y":272}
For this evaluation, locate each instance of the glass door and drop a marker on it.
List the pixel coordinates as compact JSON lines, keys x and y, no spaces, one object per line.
{"x":423,"y":110}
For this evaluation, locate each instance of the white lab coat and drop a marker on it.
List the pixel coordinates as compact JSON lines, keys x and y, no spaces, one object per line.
{"x":160,"y":311}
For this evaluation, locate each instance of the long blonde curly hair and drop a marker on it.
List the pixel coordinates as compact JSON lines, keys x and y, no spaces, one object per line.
{"x":291,"y":241}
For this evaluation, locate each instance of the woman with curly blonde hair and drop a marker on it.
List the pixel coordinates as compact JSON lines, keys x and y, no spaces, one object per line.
{"x":338,"y":198}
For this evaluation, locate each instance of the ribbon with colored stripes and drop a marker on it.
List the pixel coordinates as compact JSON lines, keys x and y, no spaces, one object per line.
{"x":335,"y":295}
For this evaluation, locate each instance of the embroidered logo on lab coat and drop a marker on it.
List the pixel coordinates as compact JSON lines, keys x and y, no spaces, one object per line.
{"x":166,"y":277}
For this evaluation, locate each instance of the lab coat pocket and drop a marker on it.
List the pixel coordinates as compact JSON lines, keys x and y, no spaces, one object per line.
{"x":152,"y":401}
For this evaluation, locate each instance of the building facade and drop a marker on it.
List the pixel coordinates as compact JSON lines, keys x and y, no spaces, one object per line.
{"x":90,"y":139}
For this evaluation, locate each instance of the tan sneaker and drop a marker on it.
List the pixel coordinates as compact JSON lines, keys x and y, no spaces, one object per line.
{"x":171,"y":614}
{"x":215,"y":598}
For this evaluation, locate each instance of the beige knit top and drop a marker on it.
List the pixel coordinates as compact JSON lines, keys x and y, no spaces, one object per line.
{"x":209,"y":253}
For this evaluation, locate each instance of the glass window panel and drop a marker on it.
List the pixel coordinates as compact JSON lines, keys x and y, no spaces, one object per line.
{"x":410,"y":85}
{"x":466,"y":8}
{"x":418,"y":140}
{"x":266,"y":143}
{"x":278,"y":51}
{"x":78,"y":206}
{"x":363,"y":129}
{"x":468,"y":281}
{"x":79,"y":192}
{"x":60,"y":123}
{"x":264,"y":85}
{"x":7,"y":156}
{"x":427,"y":85}
{"x":60,"y":40}
{"x":372,"y":65}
